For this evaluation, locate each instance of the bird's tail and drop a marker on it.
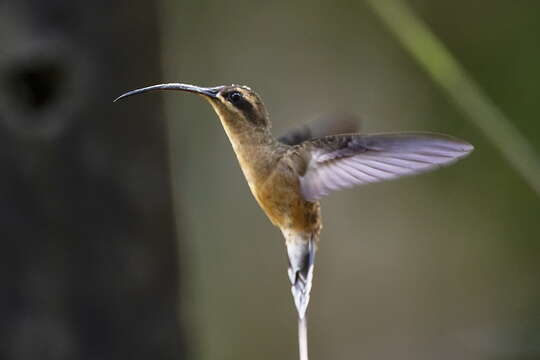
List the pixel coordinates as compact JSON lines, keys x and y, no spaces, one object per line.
{"x":301,"y":263}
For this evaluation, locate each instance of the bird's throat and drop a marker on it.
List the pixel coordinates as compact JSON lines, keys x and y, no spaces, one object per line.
{"x":255,"y":147}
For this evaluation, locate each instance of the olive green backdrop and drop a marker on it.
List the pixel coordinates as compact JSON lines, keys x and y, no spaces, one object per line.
{"x":439,"y":266}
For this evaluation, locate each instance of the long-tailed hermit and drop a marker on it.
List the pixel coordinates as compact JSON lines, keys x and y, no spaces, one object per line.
{"x":288,"y":176}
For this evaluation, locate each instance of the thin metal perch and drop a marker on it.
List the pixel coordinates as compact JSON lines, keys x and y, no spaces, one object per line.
{"x":302,"y":338}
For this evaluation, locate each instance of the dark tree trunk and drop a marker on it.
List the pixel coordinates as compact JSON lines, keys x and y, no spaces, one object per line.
{"x":88,"y":259}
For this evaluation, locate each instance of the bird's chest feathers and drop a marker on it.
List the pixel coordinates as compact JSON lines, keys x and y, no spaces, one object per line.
{"x":275,"y":186}
{"x":272,"y":179}
{"x":264,"y":176}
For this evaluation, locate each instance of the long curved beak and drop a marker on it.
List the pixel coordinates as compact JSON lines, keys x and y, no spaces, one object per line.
{"x":209,"y":92}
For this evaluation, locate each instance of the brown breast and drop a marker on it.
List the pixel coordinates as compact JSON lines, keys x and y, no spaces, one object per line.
{"x":280,"y":198}
{"x":272,"y":173}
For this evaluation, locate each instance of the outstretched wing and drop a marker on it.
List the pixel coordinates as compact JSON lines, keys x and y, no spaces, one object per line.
{"x":337,"y":123}
{"x":343,"y":161}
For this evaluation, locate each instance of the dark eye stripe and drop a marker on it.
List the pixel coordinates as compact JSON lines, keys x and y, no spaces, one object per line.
{"x":237,"y":99}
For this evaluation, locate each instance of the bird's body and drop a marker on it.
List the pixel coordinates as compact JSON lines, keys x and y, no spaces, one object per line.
{"x":272,"y":170}
{"x":287,"y":177}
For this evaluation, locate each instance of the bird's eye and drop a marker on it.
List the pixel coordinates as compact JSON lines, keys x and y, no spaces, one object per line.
{"x":235,"y":97}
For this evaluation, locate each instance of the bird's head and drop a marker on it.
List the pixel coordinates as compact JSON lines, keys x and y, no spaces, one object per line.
{"x":239,"y":108}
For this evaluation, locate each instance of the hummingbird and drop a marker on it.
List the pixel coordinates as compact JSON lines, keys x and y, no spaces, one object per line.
{"x":289,"y":175}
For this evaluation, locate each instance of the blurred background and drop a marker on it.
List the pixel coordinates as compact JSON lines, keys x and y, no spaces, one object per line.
{"x":128,"y":231}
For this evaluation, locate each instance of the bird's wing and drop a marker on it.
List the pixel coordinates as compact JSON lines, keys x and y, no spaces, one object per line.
{"x":343,"y":161}
{"x":333,"y":124}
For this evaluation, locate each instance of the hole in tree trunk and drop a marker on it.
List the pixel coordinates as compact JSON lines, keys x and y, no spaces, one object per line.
{"x":36,"y":87}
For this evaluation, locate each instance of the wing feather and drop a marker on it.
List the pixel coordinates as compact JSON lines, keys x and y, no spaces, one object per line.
{"x":350,"y":172}
{"x":343,"y":161}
